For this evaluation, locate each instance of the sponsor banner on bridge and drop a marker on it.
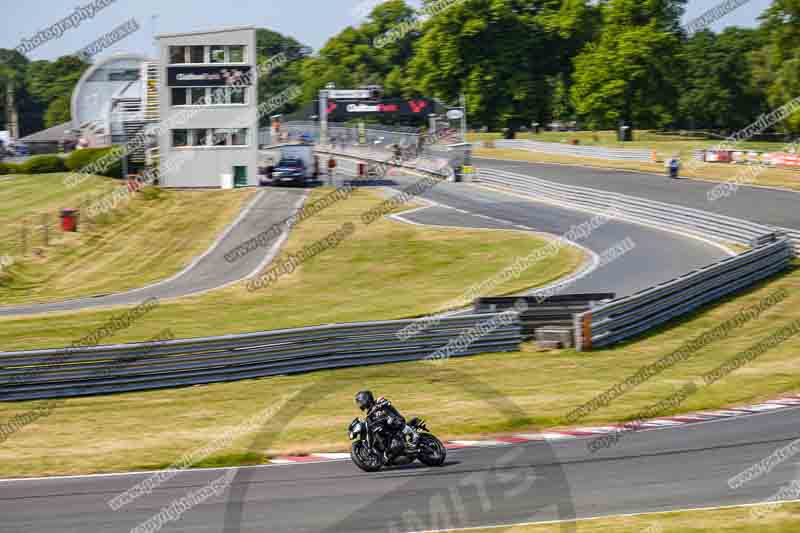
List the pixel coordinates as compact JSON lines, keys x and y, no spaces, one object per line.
{"x":343,"y":110}
{"x":208,"y":76}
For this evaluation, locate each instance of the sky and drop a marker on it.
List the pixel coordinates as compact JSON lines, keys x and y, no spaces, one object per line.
{"x":311,"y":22}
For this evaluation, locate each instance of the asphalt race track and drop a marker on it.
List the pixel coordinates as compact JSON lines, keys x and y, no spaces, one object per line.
{"x":207,"y":272}
{"x":658,"y":256}
{"x":757,"y":204}
{"x":647,"y":471}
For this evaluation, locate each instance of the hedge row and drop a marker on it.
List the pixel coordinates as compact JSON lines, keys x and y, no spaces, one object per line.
{"x":80,"y":159}
{"x":77,"y":160}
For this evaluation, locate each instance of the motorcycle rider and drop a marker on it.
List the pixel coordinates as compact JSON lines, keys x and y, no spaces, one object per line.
{"x":381,"y":412}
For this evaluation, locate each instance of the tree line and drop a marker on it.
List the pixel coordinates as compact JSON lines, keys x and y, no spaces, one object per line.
{"x":601,"y":63}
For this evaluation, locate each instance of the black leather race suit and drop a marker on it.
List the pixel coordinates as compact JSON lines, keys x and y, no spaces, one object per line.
{"x":383,"y":415}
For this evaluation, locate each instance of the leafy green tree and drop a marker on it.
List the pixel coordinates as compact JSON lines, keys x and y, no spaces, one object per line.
{"x":58,"y":112}
{"x":776,"y":67}
{"x":270,"y":44}
{"x":12,"y":74}
{"x":502,"y":54}
{"x":352,"y":58}
{"x":630,"y":72}
{"x":46,"y":81}
{"x":717,"y":91}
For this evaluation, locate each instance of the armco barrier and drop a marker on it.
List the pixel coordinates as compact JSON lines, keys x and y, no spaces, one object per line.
{"x":637,"y":210}
{"x":626,"y":317}
{"x":597,"y":152}
{"x":794,"y":236}
{"x":63,"y":373}
{"x":556,"y":310}
{"x":430,"y":164}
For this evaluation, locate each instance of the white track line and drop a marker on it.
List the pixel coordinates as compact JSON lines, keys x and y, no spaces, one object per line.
{"x":273,"y":251}
{"x":270,"y":256}
{"x":591,"y":264}
{"x":532,"y":437}
{"x":640,"y":172}
{"x":626,"y":218}
{"x":605,"y":517}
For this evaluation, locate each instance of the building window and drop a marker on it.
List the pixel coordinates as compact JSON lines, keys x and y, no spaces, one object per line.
{"x":179,"y":96}
{"x":204,"y":96}
{"x":239,"y":137}
{"x":180,"y":138}
{"x":217,"y":54}
{"x":236,"y":54}
{"x":221,"y":137}
{"x":238,"y":95}
{"x":123,"y":75}
{"x":217,"y":96}
{"x":199,"y":137}
{"x":197,"y":54}
{"x":177,"y":55}
{"x":198,"y":96}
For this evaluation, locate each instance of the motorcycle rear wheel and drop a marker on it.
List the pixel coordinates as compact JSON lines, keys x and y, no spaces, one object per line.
{"x":364,"y":458}
{"x":431,"y":450}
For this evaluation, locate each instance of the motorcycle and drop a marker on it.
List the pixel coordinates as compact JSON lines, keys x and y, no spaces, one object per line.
{"x":370,"y":451}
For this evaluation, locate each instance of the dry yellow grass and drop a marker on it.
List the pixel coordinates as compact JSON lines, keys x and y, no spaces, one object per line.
{"x":773,"y":177}
{"x":383,"y":271}
{"x":784,"y":519}
{"x":145,"y":240}
{"x":155,"y":428}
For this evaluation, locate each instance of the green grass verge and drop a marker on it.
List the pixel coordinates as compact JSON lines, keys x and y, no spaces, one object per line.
{"x":784,"y":518}
{"x":665,"y":146}
{"x":125,"y":248}
{"x":385,"y":270}
{"x":642,"y":139}
{"x":155,"y":428}
{"x":30,"y":195}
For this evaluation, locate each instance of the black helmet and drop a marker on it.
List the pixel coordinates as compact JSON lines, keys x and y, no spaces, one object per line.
{"x":365,"y":400}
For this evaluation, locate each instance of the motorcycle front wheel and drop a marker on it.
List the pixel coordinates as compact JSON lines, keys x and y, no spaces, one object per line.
{"x":365,"y":458}
{"x":431,"y":450}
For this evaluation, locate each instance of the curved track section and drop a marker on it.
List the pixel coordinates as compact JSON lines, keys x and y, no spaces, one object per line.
{"x":208,"y":271}
{"x":657,"y":257}
{"x":649,"y":471}
{"x":774,"y":207}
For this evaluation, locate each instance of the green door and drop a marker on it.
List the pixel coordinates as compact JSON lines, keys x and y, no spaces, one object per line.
{"x":240,"y":176}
